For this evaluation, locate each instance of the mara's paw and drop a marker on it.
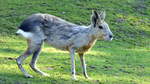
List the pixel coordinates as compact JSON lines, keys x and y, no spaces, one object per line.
{"x":86,"y":76}
{"x":74,"y":78}
{"x":45,"y":74}
{"x":28,"y":76}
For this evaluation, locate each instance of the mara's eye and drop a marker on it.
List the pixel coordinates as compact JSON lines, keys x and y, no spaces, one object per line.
{"x":100,"y":27}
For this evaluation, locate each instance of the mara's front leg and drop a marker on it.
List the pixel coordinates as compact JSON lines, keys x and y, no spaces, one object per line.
{"x":72,"y":54}
{"x":81,"y":55}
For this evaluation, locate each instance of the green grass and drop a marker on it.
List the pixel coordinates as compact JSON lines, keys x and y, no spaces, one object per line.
{"x":125,"y":60}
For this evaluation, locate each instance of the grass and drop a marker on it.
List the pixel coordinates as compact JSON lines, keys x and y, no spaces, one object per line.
{"x":125,"y":60}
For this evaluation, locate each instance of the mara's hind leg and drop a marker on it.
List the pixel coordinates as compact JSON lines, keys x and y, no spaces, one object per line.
{"x":32,"y":46}
{"x":34,"y":60}
{"x":81,"y":55}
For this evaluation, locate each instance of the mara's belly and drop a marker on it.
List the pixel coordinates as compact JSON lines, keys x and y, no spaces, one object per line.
{"x":62,"y":45}
{"x":65,"y":46}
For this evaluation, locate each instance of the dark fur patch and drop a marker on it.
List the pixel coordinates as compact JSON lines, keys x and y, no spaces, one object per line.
{"x":65,"y":37}
{"x":25,"y":26}
{"x":28,"y":25}
{"x":95,"y":18}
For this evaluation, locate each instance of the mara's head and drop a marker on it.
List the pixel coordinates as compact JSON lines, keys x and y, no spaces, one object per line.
{"x":100,"y":27}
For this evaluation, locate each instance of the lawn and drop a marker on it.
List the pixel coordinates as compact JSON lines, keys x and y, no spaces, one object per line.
{"x":125,"y":60}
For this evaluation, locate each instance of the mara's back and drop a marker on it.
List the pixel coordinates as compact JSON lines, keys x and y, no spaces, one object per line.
{"x":42,"y":21}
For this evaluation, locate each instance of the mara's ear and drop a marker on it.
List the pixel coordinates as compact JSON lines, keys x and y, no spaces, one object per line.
{"x":102,"y":15}
{"x":94,"y":17}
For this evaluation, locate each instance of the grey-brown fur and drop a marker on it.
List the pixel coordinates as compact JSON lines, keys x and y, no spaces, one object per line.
{"x":39,"y":28}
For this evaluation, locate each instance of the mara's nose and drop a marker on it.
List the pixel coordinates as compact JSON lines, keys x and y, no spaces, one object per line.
{"x":110,"y":36}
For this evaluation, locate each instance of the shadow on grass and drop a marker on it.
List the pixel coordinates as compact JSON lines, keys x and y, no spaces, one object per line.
{"x":10,"y":78}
